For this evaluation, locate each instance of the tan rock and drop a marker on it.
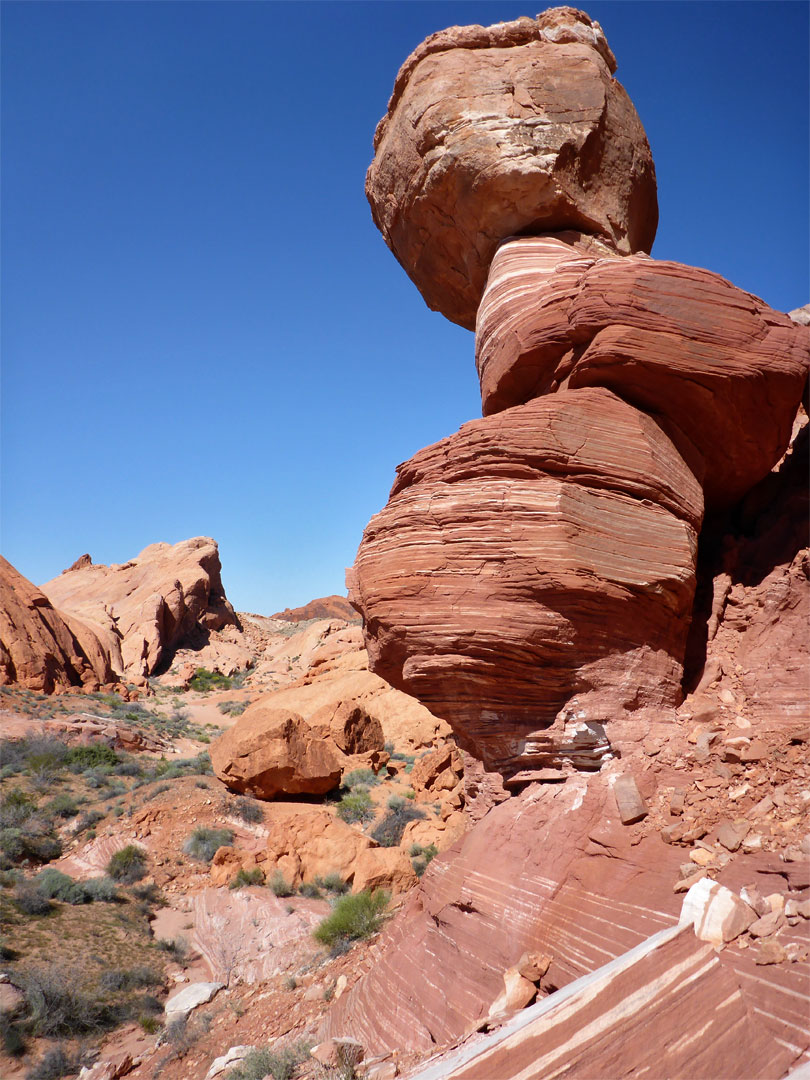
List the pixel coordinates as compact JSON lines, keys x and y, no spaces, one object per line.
{"x":227,"y":862}
{"x":517,"y":993}
{"x":269,"y":752}
{"x":497,"y":130}
{"x":717,"y":914}
{"x":383,"y":868}
{"x":338,"y":1053}
{"x":533,"y":966}
{"x":630,"y":804}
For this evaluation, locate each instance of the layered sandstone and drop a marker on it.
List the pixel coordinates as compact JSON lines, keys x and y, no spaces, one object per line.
{"x":143,"y":609}
{"x":325,"y":607}
{"x":514,"y":128}
{"x":544,"y":552}
{"x":722,"y":371}
{"x":42,"y":648}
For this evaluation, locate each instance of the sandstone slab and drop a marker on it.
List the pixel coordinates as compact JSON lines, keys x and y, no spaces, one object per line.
{"x":180,"y":1004}
{"x":492,"y":131}
{"x":545,"y":551}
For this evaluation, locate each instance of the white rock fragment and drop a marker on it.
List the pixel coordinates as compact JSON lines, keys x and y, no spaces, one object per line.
{"x":179,"y":1005}
{"x":235,"y":1056}
{"x":717,"y":914}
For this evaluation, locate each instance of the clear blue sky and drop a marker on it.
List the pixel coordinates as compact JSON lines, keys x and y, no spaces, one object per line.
{"x":203,"y":332}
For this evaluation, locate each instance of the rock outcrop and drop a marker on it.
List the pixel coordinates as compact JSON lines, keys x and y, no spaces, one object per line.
{"x":143,"y":609}
{"x":720,"y":370}
{"x":325,"y":607}
{"x":42,"y":648}
{"x":546,"y":551}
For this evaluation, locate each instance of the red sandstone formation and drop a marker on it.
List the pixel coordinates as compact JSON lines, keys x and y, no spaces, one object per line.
{"x":42,"y":648}
{"x":325,"y":607}
{"x":721,"y":370}
{"x":513,"y":128}
{"x":143,"y":609}
{"x":544,"y":552}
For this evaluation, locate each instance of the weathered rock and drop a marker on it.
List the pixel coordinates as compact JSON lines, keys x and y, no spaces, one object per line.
{"x":517,"y":992}
{"x":716,"y":913}
{"x":722,"y":371}
{"x":338,"y":1053}
{"x":180,"y":1004}
{"x":350,"y":726}
{"x":325,"y":607}
{"x":545,"y":551}
{"x":143,"y":609}
{"x":512,"y":128}
{"x":42,"y":648}
{"x":232,"y":1057}
{"x":270,"y":752}
{"x":630,"y":804}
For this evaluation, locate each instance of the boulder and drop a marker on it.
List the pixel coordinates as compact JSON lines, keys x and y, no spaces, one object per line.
{"x":143,"y":609}
{"x":517,"y":992}
{"x":717,"y":914}
{"x":513,"y":128}
{"x":42,"y":648}
{"x":546,"y":551}
{"x":271,"y":752}
{"x":184,"y":1001}
{"x":722,"y":371}
{"x":350,"y":726}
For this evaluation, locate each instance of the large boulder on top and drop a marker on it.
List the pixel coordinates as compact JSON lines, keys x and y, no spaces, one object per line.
{"x":42,"y":648}
{"x":143,"y":609}
{"x":514,"y":128}
{"x":721,"y":370}
{"x":541,"y":553}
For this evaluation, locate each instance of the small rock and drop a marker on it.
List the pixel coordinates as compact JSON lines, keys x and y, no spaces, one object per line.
{"x":757,"y":751}
{"x":676,"y":803}
{"x":12,"y":1000}
{"x":631,"y":806}
{"x":731,"y":835}
{"x":754,"y":898}
{"x":767,"y":924}
{"x":770,"y":952}
{"x":340,"y":986}
{"x":235,"y":1056}
{"x":795,"y":952}
{"x":701,"y":856}
{"x":338,"y":1053}
{"x":686,"y":883}
{"x":671,"y":834}
{"x":516,"y":994}
{"x":717,"y":914}
{"x":533,"y":966}
{"x":803,"y":909}
{"x":775,"y":901}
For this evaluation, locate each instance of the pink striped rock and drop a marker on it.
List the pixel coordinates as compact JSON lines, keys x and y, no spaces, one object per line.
{"x":491,"y":131}
{"x":722,"y":370}
{"x":544,"y":552}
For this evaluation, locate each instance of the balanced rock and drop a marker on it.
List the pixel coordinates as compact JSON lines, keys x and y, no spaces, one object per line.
{"x":546,"y":551}
{"x":271,"y":752}
{"x":722,"y":371}
{"x":42,"y":648}
{"x":513,"y":128}
{"x":143,"y":609}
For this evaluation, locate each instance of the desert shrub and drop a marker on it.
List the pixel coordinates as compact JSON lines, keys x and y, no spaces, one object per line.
{"x":88,"y":819}
{"x":63,"y":806}
{"x":233,"y":708}
{"x":332,"y":883}
{"x":55,"y":1063}
{"x":127,"y":865}
{"x":353,"y":917}
{"x":92,"y":756}
{"x":101,"y":889}
{"x":204,"y":681}
{"x":280,"y":1064}
{"x":356,"y":806}
{"x":279,"y":886}
{"x":360,"y":777}
{"x":388,"y":833}
{"x":158,"y":790}
{"x":59,"y":1006}
{"x":248,"y":810}
{"x":55,"y":885}
{"x":33,"y":841}
{"x":248,"y":877}
{"x":30,"y":900}
{"x":148,"y":893}
{"x":175,"y":947}
{"x":204,"y":843}
{"x":128,"y":768}
{"x":134,"y":978}
{"x":12,"y":1040}
{"x":310,"y":889}
{"x":422,"y":857}
{"x":16,"y":808}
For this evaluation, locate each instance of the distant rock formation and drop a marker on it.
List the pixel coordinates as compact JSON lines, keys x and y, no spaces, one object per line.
{"x":513,"y":128}
{"x":42,"y":648}
{"x":325,"y":607}
{"x":143,"y":609}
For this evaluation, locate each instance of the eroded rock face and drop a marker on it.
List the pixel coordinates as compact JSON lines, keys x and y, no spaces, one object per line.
{"x":42,"y":648}
{"x":547,"y":551}
{"x":513,"y":128}
{"x":271,"y":752}
{"x":722,"y":370}
{"x":141,"y":610}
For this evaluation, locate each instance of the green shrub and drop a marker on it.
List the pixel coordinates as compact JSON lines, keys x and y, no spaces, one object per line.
{"x":233,"y":708}
{"x":30,"y":900}
{"x":332,"y":883}
{"x":248,"y":810}
{"x":148,"y":894}
{"x":360,"y":777}
{"x":389,"y":831}
{"x":55,"y":885}
{"x":92,"y":756}
{"x":422,"y":857}
{"x":356,"y":806}
{"x":247,"y":877}
{"x":88,"y":819}
{"x":176,"y":947}
{"x":16,"y":808}
{"x":63,"y":806}
{"x":353,"y":917}
{"x":204,"y":843}
{"x":127,"y":865}
{"x":55,"y":1063}
{"x":129,"y":978}
{"x":101,"y":889}
{"x":58,"y":1006}
{"x":204,"y":681}
{"x":310,"y":889}
{"x":280,"y":1064}
{"x":279,"y":885}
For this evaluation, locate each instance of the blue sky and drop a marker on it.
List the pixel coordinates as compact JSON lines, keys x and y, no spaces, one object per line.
{"x":203,"y":332}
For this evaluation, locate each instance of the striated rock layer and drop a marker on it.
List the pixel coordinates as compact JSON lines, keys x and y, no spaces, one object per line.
{"x":541,"y":553}
{"x":42,"y":648}
{"x":513,"y":128}
{"x":722,"y":371}
{"x":143,"y":609}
